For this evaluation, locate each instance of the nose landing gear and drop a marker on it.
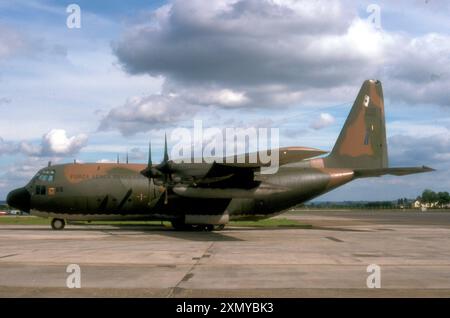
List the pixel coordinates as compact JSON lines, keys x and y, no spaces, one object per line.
{"x":58,"y":224}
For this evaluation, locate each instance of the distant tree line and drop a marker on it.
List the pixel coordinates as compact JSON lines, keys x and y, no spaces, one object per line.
{"x":352,"y":205}
{"x":428,"y":197}
{"x":431,"y":197}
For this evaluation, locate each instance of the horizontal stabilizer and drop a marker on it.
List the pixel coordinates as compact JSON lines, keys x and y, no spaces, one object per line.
{"x":401,"y":171}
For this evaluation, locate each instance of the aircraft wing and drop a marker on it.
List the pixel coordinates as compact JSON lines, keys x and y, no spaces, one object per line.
{"x":285,"y":155}
{"x":238,"y":171}
{"x":233,"y":176}
{"x":222,"y":175}
{"x":401,"y":171}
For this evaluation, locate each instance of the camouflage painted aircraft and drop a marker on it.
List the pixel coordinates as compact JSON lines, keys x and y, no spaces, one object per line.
{"x":207,"y":195}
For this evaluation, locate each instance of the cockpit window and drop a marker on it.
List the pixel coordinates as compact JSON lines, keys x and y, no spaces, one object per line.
{"x":46,"y":175}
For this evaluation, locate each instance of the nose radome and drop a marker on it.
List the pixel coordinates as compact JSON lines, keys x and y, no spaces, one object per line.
{"x":20,"y":199}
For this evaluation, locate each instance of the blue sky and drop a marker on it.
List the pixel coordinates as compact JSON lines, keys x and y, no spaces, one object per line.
{"x":136,"y":69}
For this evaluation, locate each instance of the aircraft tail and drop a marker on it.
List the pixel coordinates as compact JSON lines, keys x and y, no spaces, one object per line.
{"x":362,"y":141}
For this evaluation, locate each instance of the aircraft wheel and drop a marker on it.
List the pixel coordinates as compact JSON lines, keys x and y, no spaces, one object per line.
{"x":58,"y":224}
{"x":219,"y":227}
{"x":197,"y":227}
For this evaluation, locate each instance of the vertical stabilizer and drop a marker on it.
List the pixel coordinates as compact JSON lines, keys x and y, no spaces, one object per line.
{"x":362,"y":141}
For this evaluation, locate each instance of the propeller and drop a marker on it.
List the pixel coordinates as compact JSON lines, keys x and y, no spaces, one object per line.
{"x":161,"y":170}
{"x":150,"y":171}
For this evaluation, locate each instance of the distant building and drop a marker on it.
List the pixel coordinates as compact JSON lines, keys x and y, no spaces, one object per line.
{"x":418,"y":205}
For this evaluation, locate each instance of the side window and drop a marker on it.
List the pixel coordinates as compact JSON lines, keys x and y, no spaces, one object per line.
{"x":43,"y":190}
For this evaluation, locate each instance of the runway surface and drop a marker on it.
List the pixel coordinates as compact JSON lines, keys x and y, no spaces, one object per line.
{"x":329,"y":259}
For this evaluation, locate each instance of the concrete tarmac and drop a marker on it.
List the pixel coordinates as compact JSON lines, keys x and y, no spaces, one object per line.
{"x":329,"y":259}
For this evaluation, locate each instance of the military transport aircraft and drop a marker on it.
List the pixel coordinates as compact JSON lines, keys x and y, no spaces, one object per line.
{"x":206,"y":196}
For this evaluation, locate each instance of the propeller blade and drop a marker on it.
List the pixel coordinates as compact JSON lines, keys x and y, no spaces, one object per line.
{"x":166,"y":153}
{"x":149,"y":171}
{"x":163,"y":170}
{"x":149,"y":164}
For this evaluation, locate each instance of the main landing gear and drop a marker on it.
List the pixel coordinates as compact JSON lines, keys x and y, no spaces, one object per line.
{"x":58,"y":224}
{"x":181,"y":226}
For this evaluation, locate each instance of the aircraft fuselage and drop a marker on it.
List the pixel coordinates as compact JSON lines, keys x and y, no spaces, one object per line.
{"x":117,"y":191}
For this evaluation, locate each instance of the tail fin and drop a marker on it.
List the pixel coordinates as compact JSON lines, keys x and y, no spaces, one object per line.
{"x":362,"y":141}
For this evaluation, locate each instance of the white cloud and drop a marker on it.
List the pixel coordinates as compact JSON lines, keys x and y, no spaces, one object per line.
{"x":420,"y":149}
{"x":146,"y":113}
{"x":20,"y":172}
{"x":247,"y":53}
{"x":7,"y":147}
{"x":244,"y":43}
{"x":223,"y":97}
{"x":324,"y":120}
{"x":55,"y":143}
{"x":417,"y":69}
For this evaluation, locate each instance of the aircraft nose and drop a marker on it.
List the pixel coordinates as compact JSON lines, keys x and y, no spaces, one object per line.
{"x":20,"y":199}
